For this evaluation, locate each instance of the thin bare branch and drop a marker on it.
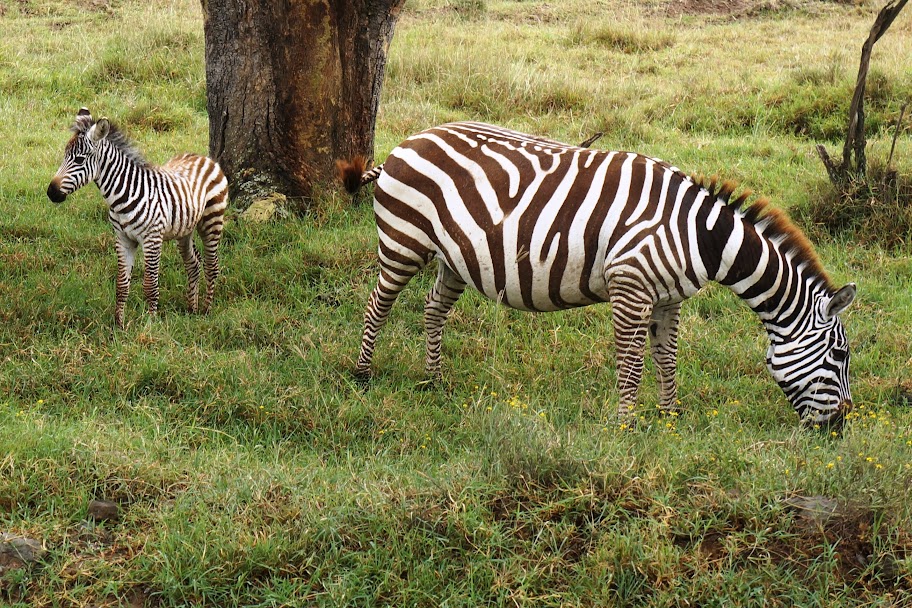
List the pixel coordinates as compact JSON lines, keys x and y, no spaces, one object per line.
{"x":902,"y":112}
{"x":832,"y":170}
{"x":855,"y":137}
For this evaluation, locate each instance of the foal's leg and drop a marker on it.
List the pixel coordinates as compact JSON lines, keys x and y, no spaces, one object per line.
{"x":152,"y":248}
{"x":126,"y":255}
{"x":210,"y":230}
{"x":192,"y":264}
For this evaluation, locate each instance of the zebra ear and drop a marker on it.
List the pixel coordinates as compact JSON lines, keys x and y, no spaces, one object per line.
{"x":840,"y":300}
{"x":83,"y":112}
{"x":99,"y":130}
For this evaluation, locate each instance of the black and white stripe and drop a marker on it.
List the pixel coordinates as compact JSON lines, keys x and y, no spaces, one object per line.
{"x":148,"y":205}
{"x":543,"y":226}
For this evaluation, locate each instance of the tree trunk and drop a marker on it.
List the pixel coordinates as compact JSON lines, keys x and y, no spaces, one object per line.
{"x":855,"y":137}
{"x":292,"y":85}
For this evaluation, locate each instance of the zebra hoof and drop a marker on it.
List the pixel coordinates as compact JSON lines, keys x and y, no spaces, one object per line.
{"x":430,"y":383}
{"x":362,"y":376}
{"x":626,"y":425}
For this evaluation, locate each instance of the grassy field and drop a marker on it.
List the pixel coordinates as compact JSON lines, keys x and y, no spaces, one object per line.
{"x":251,"y":470}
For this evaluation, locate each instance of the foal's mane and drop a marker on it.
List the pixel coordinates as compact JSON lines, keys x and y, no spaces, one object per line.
{"x":116,"y":137}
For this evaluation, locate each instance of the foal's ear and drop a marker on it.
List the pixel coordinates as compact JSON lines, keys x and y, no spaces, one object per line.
{"x":99,"y":130}
{"x":83,"y":120}
{"x":840,"y":300}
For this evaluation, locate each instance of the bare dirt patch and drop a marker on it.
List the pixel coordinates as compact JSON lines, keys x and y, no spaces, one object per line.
{"x":862,"y":556}
{"x":45,"y":8}
{"x":537,"y":14}
{"x":728,"y":8}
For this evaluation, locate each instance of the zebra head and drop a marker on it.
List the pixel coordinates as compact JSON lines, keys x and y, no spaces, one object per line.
{"x":80,"y":160}
{"x":813,"y":369}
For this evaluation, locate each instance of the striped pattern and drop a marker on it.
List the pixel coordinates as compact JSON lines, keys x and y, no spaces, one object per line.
{"x":543,"y":226}
{"x":148,"y":205}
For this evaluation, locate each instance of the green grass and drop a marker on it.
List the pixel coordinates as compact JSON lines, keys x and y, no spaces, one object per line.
{"x":252,"y":470}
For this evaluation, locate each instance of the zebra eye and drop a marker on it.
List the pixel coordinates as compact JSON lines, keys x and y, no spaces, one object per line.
{"x":839,"y":354}
{"x":79,"y":160}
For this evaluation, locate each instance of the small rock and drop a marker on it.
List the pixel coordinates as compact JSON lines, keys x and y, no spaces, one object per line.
{"x":18,"y":551}
{"x":903,"y":394}
{"x":103,"y":510}
{"x":92,"y":533}
{"x":816,"y":509}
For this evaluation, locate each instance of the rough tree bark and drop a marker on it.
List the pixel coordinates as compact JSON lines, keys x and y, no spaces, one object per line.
{"x":855,"y":137}
{"x":292,"y":85}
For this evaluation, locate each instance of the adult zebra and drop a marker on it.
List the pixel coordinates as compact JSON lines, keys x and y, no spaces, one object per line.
{"x":147,"y":205}
{"x":543,"y":226}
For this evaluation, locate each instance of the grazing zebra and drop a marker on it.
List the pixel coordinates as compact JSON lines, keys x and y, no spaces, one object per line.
{"x":147,"y":205}
{"x":543,"y":226}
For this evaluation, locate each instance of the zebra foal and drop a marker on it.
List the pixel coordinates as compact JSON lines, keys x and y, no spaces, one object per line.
{"x":544,"y":226}
{"x":147,"y":205}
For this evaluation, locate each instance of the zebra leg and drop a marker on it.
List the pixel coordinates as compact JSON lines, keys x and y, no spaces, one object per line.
{"x":443,"y":295}
{"x":152,"y":248}
{"x":392,"y":281}
{"x":126,"y":255}
{"x":192,"y":264}
{"x":211,"y":267}
{"x":631,"y":311}
{"x":663,"y":339}
{"x":210,"y":230}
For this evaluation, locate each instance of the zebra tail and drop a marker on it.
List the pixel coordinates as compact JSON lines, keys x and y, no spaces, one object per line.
{"x":352,"y":173}
{"x":349,"y":172}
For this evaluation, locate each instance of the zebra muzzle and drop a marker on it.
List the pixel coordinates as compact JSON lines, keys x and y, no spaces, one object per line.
{"x":845,"y":407}
{"x":838,"y":420}
{"x":55,"y":193}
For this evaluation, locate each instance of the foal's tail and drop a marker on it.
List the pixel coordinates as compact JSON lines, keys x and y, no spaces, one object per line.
{"x":353,"y":175}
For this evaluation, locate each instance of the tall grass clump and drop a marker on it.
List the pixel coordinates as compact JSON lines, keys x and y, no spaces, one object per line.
{"x":814,"y":103}
{"x":876,"y":211}
{"x":158,"y":55}
{"x":624,"y":37}
{"x":474,"y":81}
{"x":469,"y":9}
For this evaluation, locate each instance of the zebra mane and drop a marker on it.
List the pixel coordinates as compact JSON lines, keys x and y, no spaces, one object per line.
{"x":116,"y":137}
{"x":770,"y":221}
